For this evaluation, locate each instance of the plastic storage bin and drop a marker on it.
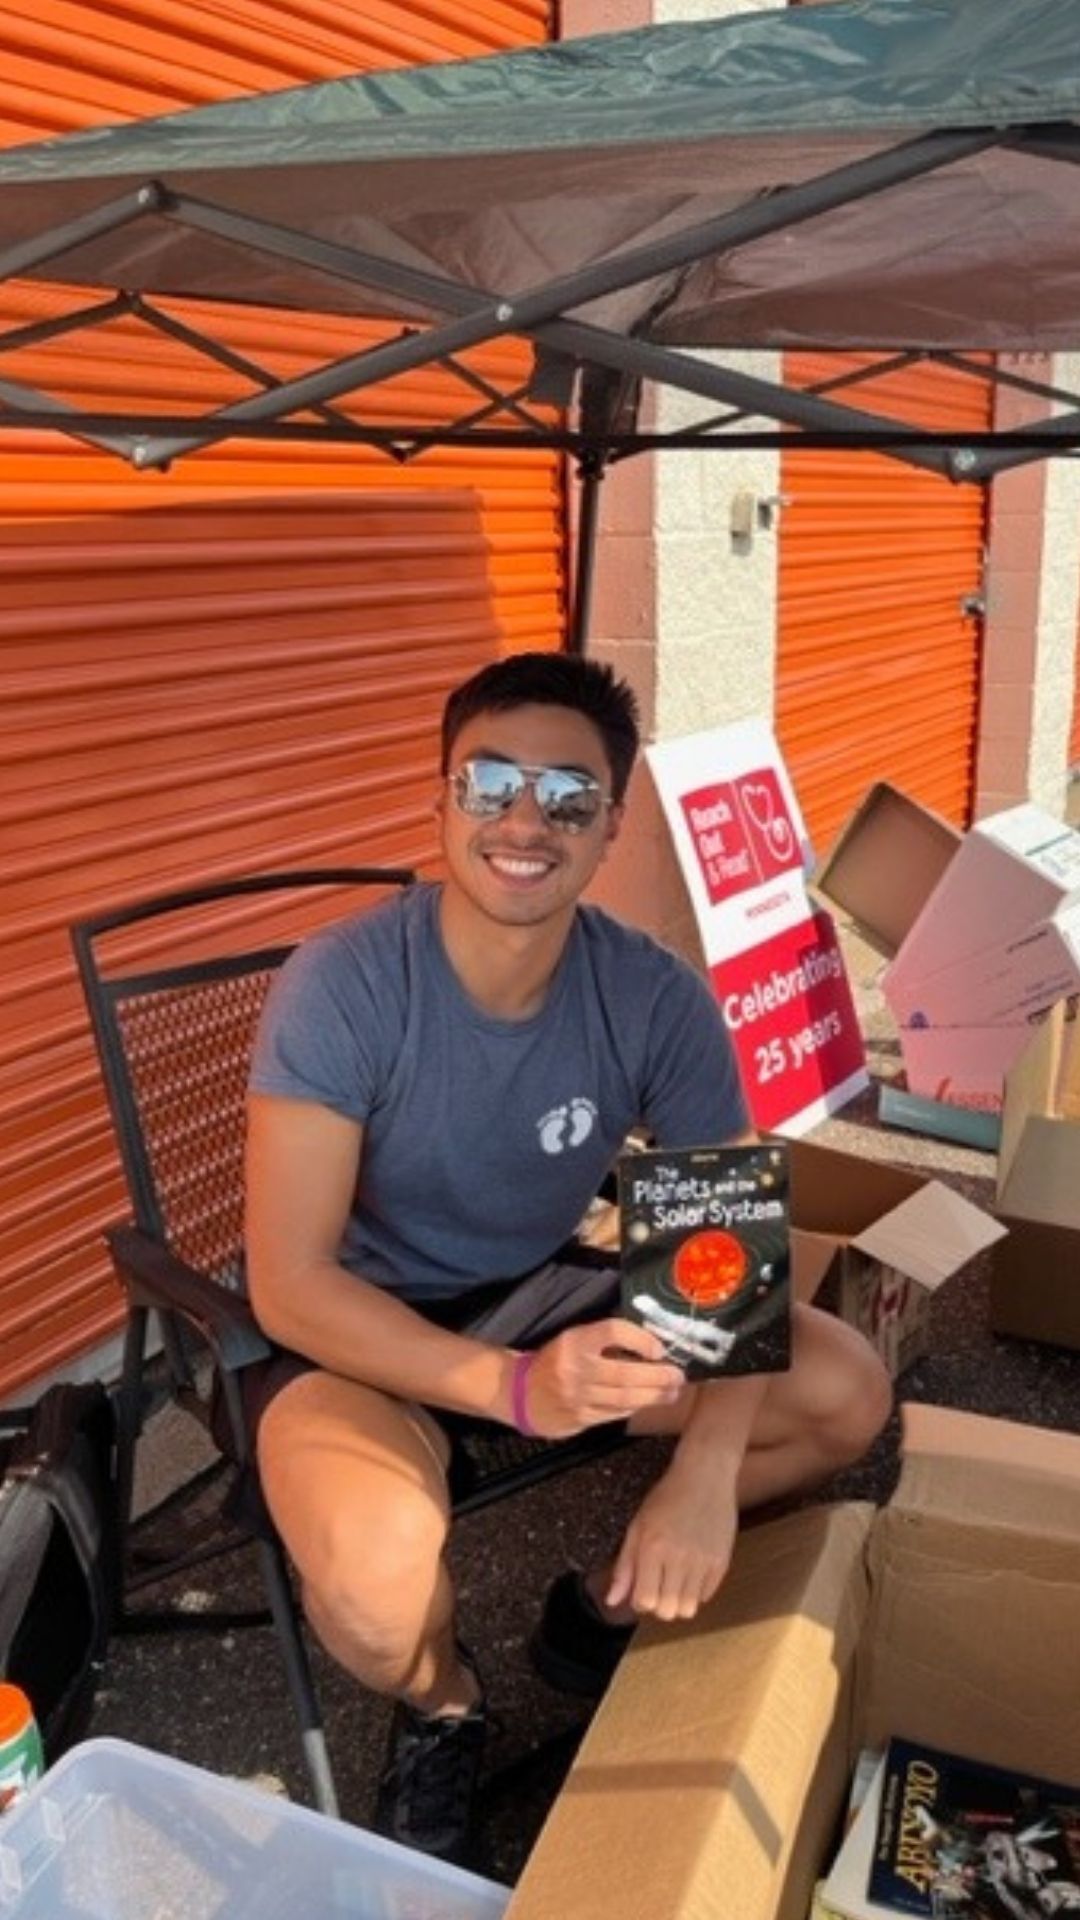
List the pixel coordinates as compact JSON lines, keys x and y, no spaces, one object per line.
{"x":115,"y":1832}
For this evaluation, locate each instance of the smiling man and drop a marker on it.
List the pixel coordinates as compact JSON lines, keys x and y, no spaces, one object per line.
{"x":439,"y":1088}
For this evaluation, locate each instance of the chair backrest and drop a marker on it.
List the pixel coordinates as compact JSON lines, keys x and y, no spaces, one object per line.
{"x":174,"y":997}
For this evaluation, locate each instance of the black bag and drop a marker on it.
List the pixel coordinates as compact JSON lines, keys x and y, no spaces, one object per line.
{"x":57,"y":1554}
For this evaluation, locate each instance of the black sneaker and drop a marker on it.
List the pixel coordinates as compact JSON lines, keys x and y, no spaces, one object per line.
{"x":427,"y":1789}
{"x":574,"y":1648}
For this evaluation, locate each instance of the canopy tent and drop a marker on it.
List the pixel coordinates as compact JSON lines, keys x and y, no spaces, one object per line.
{"x":893,"y":175}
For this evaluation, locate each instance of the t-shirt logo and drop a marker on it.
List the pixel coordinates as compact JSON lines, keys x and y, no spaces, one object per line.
{"x":567,"y":1126}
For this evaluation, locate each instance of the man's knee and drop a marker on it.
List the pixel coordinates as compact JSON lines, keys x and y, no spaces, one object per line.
{"x":848,"y":1392}
{"x":374,"y":1575}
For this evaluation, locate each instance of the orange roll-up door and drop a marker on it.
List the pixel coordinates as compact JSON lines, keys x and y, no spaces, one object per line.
{"x":237,"y":665}
{"x":880,"y":576}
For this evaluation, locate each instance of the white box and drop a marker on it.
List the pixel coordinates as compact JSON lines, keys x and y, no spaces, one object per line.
{"x":115,"y":1832}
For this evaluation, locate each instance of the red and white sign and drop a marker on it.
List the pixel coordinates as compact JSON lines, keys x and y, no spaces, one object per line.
{"x":775,"y":962}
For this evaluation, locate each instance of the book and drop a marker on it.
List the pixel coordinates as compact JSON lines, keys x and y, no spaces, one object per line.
{"x":705,"y":1255}
{"x":957,"y":1839}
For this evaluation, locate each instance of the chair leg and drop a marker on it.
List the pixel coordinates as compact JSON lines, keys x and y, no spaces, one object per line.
{"x":128,"y":1425}
{"x":299,"y":1675}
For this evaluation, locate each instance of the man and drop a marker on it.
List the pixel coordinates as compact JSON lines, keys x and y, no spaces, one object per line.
{"x":439,"y":1088}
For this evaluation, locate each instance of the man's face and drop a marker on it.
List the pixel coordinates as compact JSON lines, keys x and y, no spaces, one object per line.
{"x":520,"y":869}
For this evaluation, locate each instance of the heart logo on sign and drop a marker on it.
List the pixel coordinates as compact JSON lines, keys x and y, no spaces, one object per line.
{"x":759,"y":804}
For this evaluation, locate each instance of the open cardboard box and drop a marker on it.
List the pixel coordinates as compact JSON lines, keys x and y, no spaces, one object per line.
{"x":709,"y":1785}
{"x":1035,"y":1271}
{"x":981,"y":931}
{"x":886,"y":1236}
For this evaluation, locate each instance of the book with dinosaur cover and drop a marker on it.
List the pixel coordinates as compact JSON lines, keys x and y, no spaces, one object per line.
{"x":705,"y":1256}
{"x":954,"y":1839}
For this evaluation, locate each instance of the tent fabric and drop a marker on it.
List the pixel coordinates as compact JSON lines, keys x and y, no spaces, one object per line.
{"x":876,"y":174}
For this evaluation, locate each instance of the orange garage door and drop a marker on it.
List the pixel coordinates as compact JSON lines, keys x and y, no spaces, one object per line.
{"x":233,"y":666}
{"x":880,"y":570}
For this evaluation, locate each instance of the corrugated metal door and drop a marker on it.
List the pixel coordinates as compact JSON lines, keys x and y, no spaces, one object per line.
{"x":234,"y":666}
{"x":878,"y":651}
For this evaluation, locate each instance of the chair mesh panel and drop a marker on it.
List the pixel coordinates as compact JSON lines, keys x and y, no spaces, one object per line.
{"x":187,"y":1051}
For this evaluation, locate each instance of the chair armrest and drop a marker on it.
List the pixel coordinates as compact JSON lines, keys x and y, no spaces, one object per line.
{"x":154,"y":1277}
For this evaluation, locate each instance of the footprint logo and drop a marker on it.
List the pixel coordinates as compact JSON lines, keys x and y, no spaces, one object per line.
{"x":567,"y":1126}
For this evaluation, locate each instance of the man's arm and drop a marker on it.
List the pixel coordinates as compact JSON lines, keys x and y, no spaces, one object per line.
{"x":676,"y":1549}
{"x":302,"y":1166}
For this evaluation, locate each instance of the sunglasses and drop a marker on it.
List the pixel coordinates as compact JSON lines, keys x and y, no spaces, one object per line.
{"x":486,"y":789}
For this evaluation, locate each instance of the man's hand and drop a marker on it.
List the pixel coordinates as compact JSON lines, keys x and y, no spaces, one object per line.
{"x":604,"y":1371}
{"x":677,"y":1547}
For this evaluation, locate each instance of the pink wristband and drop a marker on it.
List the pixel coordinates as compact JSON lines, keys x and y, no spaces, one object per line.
{"x":519,"y":1380}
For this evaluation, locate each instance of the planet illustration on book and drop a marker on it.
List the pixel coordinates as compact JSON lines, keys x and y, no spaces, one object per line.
{"x":709,"y":1267}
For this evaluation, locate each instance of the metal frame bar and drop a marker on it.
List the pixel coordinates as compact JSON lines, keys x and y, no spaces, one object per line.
{"x":480,"y":316}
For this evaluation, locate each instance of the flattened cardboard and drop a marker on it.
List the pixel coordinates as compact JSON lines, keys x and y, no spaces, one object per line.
{"x":712,"y":1776}
{"x":885,"y":865}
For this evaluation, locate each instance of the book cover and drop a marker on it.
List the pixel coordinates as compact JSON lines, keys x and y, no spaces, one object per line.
{"x":705,"y":1255}
{"x":960,"y":1840}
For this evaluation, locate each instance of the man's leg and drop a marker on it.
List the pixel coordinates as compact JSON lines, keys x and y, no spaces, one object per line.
{"x":356,"y":1484}
{"x":818,"y":1416}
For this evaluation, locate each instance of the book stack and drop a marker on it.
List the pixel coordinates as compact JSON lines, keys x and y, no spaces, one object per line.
{"x":935,"y":1834}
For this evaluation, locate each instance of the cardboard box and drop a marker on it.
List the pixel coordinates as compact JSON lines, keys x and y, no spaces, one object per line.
{"x":886,"y":864}
{"x":884,"y":1237}
{"x":981,"y":931}
{"x":1011,"y":872}
{"x":1010,"y":981}
{"x":1035,"y":1271}
{"x":711,"y":1780}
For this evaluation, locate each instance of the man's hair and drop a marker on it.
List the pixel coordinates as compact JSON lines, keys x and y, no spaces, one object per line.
{"x":552,"y":680}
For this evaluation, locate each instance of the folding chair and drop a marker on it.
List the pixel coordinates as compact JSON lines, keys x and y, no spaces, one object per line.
{"x":174,"y":989}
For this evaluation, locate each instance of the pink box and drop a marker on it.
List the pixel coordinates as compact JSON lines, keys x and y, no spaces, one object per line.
{"x":1010,"y":981}
{"x":963,"y":1065}
{"x":1010,"y":873}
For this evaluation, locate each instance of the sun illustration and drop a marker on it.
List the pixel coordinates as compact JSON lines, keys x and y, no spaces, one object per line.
{"x":710,"y":1267}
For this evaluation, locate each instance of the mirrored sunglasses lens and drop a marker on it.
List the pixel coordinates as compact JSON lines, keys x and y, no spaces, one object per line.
{"x":487,"y":788}
{"x":568,"y":799}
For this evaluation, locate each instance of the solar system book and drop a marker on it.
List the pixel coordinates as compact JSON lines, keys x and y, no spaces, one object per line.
{"x":705,"y":1255}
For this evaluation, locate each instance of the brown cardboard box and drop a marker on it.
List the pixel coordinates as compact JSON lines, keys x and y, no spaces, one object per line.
{"x":887,"y":862}
{"x":709,"y":1784}
{"x":889,"y":1237}
{"x":1035,"y":1272}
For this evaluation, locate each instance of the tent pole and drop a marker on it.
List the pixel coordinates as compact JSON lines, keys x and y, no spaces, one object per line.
{"x":591,"y":472}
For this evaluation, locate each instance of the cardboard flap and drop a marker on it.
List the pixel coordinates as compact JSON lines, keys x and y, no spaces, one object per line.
{"x":969,"y":1469}
{"x":812,"y":1254}
{"x":975,"y":1566}
{"x":885,"y":865}
{"x":686,"y":1794}
{"x":1044,"y":1179}
{"x":929,"y":1235}
{"x":1030,"y":1088}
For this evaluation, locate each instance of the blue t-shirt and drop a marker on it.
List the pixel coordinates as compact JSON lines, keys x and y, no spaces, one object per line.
{"x":485,"y":1139}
